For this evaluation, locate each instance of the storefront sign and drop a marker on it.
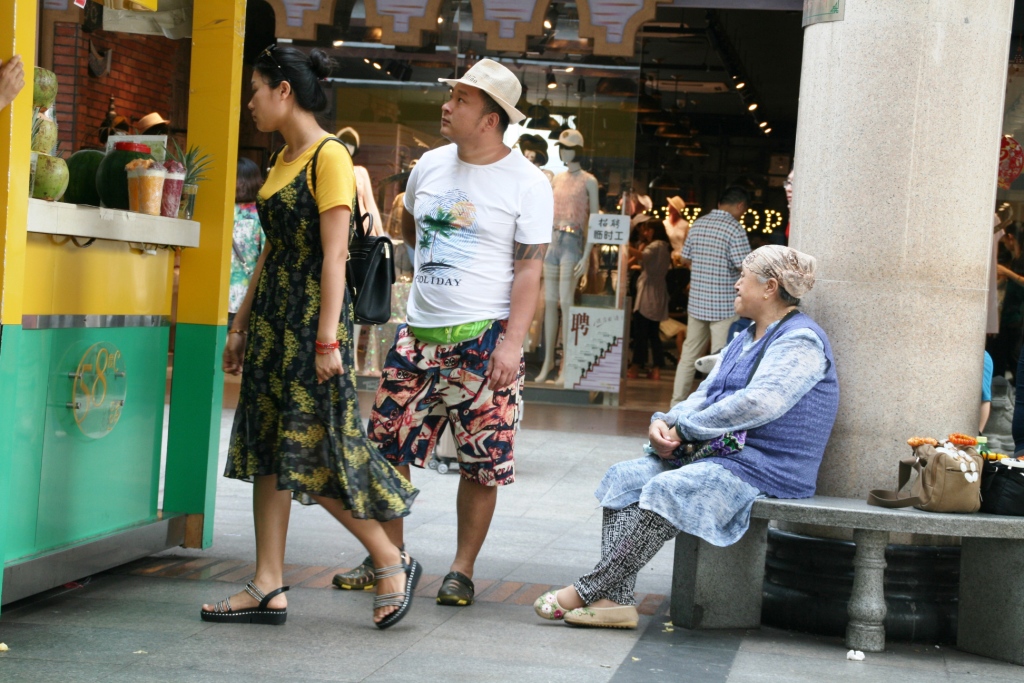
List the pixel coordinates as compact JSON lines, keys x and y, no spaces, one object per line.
{"x":593,"y":357}
{"x":612,"y":24}
{"x":508,"y":23}
{"x":298,"y":19}
{"x":402,"y":22}
{"x":817,"y":11}
{"x":608,"y":228}
{"x":99,"y":384}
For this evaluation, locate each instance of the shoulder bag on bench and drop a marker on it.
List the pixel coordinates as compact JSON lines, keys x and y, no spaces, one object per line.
{"x":948,"y":480}
{"x":1002,"y":487}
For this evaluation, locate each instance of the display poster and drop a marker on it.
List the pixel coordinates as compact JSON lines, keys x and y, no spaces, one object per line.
{"x":593,"y":356}
{"x":817,"y":11}
{"x":608,"y":228}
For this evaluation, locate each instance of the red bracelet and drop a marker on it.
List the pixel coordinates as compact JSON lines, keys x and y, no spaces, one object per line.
{"x":325,"y":349}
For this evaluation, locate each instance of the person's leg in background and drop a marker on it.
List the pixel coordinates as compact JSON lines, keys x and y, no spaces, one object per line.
{"x":697,"y":334}
{"x":720,"y":333}
{"x":657,"y":350}
{"x":640,"y":333}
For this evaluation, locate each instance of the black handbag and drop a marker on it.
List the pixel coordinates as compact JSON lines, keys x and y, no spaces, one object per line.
{"x":370,"y":269}
{"x":1002,"y":489}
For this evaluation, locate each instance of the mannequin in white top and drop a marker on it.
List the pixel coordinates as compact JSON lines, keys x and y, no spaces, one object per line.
{"x":364,"y":192}
{"x":576,"y":198}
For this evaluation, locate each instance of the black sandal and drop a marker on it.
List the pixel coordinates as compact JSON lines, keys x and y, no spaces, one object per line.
{"x":403,"y":600}
{"x":457,"y":590}
{"x":223,"y":614}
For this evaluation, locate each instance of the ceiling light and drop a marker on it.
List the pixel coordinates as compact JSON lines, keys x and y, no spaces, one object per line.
{"x":366,"y":60}
{"x":752,"y":107}
{"x":569,"y":69}
{"x":338,"y":43}
{"x":767,"y":130}
{"x":762,"y":124}
{"x":440,"y":20}
{"x":551,"y":18}
{"x":741,"y":85}
{"x":376,"y":65}
{"x":547,"y":24}
{"x":550,"y":79}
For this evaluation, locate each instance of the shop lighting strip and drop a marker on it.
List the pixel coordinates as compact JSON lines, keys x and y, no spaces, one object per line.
{"x":404,"y":84}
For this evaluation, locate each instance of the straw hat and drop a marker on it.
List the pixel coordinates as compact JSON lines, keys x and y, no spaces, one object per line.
{"x":150,"y":120}
{"x":349,"y":135}
{"x":677,"y":203}
{"x":495,"y":80}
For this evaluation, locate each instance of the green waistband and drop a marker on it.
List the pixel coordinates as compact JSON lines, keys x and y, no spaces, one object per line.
{"x":451,"y":335}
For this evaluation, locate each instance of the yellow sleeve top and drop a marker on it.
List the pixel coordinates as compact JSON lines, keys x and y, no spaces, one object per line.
{"x":335,"y":176}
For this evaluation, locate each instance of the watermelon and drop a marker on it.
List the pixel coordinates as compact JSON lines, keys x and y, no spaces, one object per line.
{"x":82,"y":187}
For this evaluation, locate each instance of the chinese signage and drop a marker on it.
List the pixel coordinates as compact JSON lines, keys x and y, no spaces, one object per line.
{"x":610,"y":228}
{"x":817,"y":11}
{"x":593,"y":357}
{"x":612,"y":24}
{"x":508,"y":23}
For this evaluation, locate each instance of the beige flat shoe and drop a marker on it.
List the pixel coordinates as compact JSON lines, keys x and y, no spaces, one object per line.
{"x":622,"y":616}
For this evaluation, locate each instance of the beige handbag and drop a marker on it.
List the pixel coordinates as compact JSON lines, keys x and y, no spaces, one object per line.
{"x":948,"y":480}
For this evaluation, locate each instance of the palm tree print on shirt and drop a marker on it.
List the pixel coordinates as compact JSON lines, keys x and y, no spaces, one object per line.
{"x":447,"y":229}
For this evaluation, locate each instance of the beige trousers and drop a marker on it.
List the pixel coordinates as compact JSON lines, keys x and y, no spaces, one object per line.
{"x":697,"y":334}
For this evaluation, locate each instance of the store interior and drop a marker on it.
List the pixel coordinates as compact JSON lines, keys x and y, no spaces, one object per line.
{"x":705,"y":99}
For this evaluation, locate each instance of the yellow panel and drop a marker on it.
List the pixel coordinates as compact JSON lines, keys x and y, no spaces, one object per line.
{"x":17,"y":36}
{"x":214,"y":108}
{"x":106,"y":278}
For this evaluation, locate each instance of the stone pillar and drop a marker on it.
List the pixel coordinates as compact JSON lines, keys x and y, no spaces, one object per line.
{"x":896,"y":159}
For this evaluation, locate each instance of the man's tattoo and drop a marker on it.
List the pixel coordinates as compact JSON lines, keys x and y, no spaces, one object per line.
{"x":529,"y":252}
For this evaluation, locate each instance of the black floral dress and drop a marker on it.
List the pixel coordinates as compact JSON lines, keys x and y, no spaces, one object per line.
{"x":309,"y":435}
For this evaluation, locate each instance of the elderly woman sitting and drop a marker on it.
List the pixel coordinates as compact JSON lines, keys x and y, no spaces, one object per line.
{"x":759,"y":424}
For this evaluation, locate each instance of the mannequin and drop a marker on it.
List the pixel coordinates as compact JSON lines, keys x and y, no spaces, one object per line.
{"x":364,"y":191}
{"x":676,"y":226}
{"x":576,"y":197}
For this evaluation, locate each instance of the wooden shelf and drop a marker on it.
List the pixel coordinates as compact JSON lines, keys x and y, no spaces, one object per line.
{"x":57,"y":218}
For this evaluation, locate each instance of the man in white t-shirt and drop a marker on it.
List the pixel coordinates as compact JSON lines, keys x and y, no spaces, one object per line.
{"x":480,"y":218}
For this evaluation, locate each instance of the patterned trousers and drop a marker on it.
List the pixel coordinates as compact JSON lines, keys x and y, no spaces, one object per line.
{"x":630,"y":538}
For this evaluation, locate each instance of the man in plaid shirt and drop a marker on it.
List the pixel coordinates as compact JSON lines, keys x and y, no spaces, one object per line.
{"x":714,"y":252}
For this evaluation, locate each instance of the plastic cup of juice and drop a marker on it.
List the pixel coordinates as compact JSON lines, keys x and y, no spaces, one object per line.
{"x":172,"y":194}
{"x":151,"y":190}
{"x":133,"y":188}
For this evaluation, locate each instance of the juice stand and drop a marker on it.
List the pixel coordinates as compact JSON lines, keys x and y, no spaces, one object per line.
{"x":85,"y":306}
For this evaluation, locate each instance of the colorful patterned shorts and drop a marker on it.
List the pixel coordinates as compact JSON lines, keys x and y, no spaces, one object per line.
{"x":425,"y":386}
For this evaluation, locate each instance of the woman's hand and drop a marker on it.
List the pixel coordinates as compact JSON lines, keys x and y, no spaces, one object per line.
{"x":328,"y":365}
{"x":1003,"y":271}
{"x":234,"y":353}
{"x":664,"y":439}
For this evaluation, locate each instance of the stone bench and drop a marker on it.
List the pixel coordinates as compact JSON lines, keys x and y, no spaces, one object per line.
{"x":722,"y":587}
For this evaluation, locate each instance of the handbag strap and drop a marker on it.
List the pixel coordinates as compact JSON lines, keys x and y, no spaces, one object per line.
{"x":891,"y":499}
{"x":358,"y":217}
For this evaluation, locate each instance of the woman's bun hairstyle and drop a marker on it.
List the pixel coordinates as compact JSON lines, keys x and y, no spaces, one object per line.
{"x":304,"y":73}
{"x":321,"y":62}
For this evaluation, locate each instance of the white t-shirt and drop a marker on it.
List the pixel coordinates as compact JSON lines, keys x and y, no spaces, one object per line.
{"x":468,"y":219}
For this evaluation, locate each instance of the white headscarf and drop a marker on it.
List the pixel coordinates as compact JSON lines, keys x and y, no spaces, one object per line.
{"x":794,"y":270}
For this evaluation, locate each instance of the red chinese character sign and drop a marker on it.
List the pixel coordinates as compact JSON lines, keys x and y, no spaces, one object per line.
{"x":612,"y":24}
{"x":1011,"y":161}
{"x":593,"y":359}
{"x":508,"y":23}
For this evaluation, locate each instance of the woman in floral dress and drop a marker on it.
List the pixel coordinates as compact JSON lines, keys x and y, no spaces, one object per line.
{"x":297,"y":430}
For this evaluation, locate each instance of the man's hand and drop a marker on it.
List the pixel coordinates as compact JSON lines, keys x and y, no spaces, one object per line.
{"x":664,"y":439}
{"x":504,"y":365}
{"x":12,"y":80}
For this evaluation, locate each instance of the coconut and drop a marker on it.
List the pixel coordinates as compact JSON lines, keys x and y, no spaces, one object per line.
{"x":44,"y":90}
{"x":45,"y":136}
{"x":51,"y":178}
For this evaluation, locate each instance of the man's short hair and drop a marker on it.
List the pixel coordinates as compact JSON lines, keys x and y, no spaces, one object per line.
{"x":734,"y":195}
{"x":492,"y":107}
